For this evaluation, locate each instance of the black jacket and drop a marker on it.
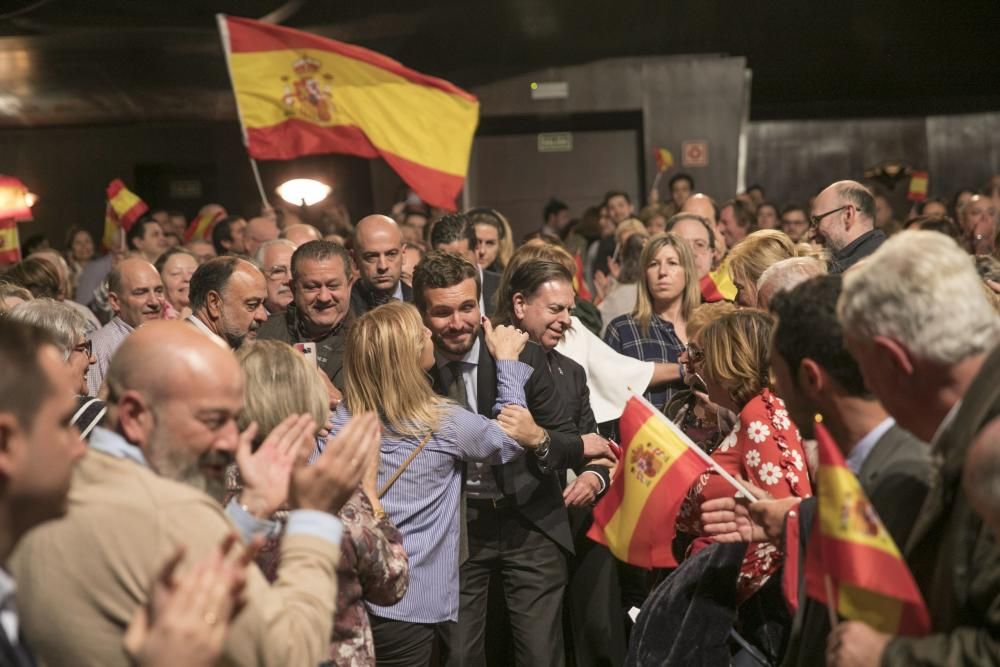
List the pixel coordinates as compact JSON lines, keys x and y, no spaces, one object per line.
{"x":362,"y":302}
{"x":329,"y":348}
{"x":533,"y":487}
{"x":857,"y":250}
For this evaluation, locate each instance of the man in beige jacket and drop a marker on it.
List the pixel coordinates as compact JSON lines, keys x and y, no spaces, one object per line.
{"x":139,"y":492}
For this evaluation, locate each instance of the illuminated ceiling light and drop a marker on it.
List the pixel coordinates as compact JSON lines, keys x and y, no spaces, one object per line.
{"x":30,"y":199}
{"x":303,"y":191}
{"x":15,"y":200}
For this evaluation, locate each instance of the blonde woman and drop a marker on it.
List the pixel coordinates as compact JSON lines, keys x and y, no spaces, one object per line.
{"x":753,"y":255}
{"x":281,"y":381}
{"x":656,"y":329}
{"x":764,"y":445}
{"x":426,"y":441}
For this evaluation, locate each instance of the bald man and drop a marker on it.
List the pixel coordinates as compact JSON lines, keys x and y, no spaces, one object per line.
{"x":140,"y":492}
{"x":704,"y":206}
{"x":301,"y":234}
{"x":258,"y":232}
{"x":981,"y":479}
{"x":378,"y":254}
{"x":135,"y":294}
{"x":227,"y":299}
{"x":843,"y":216}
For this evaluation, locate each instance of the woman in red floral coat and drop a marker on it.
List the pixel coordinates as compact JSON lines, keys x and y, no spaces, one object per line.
{"x":764,"y":447}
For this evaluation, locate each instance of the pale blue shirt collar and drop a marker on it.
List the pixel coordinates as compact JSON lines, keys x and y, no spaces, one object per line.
{"x":109,"y":442}
{"x":856,"y":459}
{"x":398,"y":294}
{"x":8,"y":607}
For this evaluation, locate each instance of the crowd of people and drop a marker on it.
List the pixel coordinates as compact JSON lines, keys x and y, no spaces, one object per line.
{"x":382,"y":443}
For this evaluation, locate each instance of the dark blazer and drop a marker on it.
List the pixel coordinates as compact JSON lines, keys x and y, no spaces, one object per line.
{"x":491,"y":283}
{"x":361,"y":301}
{"x":329,"y":349}
{"x":570,"y":382}
{"x":530,"y":485}
{"x":954,"y":557}
{"x":895,"y":477}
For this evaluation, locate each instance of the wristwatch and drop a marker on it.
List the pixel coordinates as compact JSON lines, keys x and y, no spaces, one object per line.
{"x":542,"y":450}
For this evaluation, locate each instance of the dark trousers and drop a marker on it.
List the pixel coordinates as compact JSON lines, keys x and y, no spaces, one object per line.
{"x":402,"y":644}
{"x":532,"y":573}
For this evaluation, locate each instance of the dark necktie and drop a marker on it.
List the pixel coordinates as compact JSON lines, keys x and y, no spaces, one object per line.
{"x":456,"y":389}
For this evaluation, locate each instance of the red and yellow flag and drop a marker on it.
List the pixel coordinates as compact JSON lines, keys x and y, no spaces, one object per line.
{"x":918,"y":186}
{"x":10,"y":243}
{"x":664,"y":159}
{"x":717,"y":286}
{"x":201,"y":227}
{"x":637,"y":518}
{"x":123,"y":209}
{"x":300,"y":94}
{"x":850,"y":546}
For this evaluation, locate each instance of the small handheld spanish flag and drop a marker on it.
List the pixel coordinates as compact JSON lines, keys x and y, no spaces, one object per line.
{"x":664,"y":159}
{"x":918,"y":186}
{"x":123,"y":209}
{"x":200,"y":228}
{"x":717,"y":286}
{"x":637,"y":518}
{"x":851,"y":554}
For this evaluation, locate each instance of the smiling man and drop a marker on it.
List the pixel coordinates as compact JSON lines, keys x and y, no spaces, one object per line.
{"x":227,"y":299}
{"x":844,"y":216}
{"x":320,"y":311}
{"x":135,"y":294}
{"x":378,"y":254}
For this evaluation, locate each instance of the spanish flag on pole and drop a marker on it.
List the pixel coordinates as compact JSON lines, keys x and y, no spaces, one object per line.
{"x":851,"y":554}
{"x":300,"y":94}
{"x":123,"y":209}
{"x":637,"y":518}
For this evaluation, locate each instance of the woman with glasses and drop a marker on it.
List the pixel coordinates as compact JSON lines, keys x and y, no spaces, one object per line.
{"x":753,"y":255}
{"x":764,"y":446}
{"x":656,"y":329}
{"x":69,"y":329}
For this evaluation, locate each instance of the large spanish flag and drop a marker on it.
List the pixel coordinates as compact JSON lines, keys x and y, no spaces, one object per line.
{"x":637,"y":518}
{"x":300,"y":94}
{"x":123,"y":209}
{"x":851,"y":548}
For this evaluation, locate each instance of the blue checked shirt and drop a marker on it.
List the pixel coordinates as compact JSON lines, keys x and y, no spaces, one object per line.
{"x":660,"y":344}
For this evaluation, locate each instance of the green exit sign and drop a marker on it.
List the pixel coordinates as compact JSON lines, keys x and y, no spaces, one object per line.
{"x":555,"y":142}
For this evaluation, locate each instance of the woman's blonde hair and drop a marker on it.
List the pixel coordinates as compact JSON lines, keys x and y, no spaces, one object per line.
{"x":737,"y":351}
{"x":690,"y":295}
{"x":382,"y":370}
{"x":279,"y":381}
{"x":753,"y":255}
{"x":705,"y":314}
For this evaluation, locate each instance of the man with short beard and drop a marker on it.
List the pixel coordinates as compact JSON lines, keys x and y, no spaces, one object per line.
{"x":135,"y":294}
{"x":174,"y":398}
{"x":227,"y":299}
{"x":320,"y":312}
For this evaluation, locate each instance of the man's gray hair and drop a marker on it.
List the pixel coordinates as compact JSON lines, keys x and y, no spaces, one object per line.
{"x":921,"y":290}
{"x":269,"y":244}
{"x":786,"y":274}
{"x":66,"y":325}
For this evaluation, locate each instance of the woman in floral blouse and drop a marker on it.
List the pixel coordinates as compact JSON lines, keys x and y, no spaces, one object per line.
{"x":373,"y":566}
{"x":764,"y":446}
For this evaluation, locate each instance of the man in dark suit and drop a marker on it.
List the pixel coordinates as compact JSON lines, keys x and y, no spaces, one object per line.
{"x":517,"y":525}
{"x":455,"y":233}
{"x":378,"y":254}
{"x":926,"y":338}
{"x":816,"y":375}
{"x":38,"y":449}
{"x":541,"y":303}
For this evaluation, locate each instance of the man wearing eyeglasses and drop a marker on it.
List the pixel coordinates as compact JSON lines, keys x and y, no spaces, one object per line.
{"x":843,"y":216}
{"x":275,"y":259}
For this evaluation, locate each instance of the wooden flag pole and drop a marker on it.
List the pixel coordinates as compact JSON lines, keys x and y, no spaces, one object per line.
{"x":831,"y":603}
{"x":699,"y":451}
{"x":260,"y":183}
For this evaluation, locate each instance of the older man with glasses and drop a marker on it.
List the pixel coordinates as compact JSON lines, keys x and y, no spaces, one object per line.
{"x":275,"y":259}
{"x":843,"y":216}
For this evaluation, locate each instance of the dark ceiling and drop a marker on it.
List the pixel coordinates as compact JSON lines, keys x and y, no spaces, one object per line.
{"x":104,"y":61}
